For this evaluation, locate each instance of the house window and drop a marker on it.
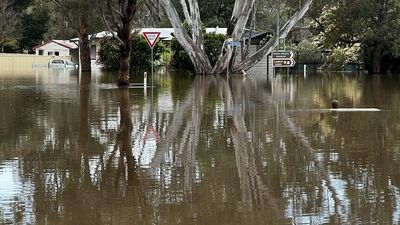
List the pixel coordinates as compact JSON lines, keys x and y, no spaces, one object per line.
{"x":40,"y":52}
{"x":57,"y":53}
{"x":50,"y":53}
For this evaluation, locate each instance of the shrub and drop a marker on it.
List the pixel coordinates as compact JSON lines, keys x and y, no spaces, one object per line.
{"x":341,"y":56}
{"x":9,"y":46}
{"x":307,"y":51}
{"x":140,"y":55}
{"x":212,"y":43}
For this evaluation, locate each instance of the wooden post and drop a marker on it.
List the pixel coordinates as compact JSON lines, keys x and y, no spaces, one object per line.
{"x":145,"y":84}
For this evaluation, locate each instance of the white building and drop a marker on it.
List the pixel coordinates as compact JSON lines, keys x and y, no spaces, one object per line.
{"x":55,"y":48}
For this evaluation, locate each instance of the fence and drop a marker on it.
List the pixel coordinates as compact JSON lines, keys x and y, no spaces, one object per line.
{"x":9,"y":61}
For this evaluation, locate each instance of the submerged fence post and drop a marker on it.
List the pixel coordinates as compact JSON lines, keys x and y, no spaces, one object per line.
{"x":145,"y":83}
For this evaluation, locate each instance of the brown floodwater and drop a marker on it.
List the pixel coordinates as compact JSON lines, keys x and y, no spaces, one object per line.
{"x":74,"y":149}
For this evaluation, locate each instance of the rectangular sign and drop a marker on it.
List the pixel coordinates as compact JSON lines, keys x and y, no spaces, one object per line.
{"x":233,"y":43}
{"x":282,"y":54}
{"x":283,"y":62}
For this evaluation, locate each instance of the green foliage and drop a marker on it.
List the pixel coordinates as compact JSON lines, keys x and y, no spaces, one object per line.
{"x":10,"y":22}
{"x":367,"y":23}
{"x":65,"y":16}
{"x":10,"y":46}
{"x":337,"y":59}
{"x":180,"y":59}
{"x":308,"y":52}
{"x":109,"y":54}
{"x":140,"y":55}
{"x":212,"y":42}
{"x":35,"y":24}
{"x":216,"y":13}
{"x":213,"y":13}
{"x":41,"y":20}
{"x":20,"y":5}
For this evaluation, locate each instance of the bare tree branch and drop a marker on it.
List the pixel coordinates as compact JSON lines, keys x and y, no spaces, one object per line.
{"x":266,"y":49}
{"x":106,"y":22}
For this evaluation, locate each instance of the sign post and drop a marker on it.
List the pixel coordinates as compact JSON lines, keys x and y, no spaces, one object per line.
{"x":152,"y":38}
{"x":230,"y":43}
{"x":283,"y":59}
{"x":283,"y":62}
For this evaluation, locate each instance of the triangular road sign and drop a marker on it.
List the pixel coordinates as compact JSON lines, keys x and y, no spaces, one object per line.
{"x":151,"y":38}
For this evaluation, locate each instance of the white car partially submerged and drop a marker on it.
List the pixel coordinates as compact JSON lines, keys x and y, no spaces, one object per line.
{"x":61,"y":63}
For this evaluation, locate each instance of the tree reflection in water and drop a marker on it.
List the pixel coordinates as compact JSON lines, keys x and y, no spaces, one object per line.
{"x":234,"y":151}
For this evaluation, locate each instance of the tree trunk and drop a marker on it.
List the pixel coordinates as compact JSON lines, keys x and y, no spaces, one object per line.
{"x":122,"y":17}
{"x":125,"y":58}
{"x":377,"y":59}
{"x":271,"y":45}
{"x":84,"y":45}
{"x":240,"y":16}
{"x":199,"y":59}
{"x":236,"y":28}
{"x":124,"y":29}
{"x":192,"y":15}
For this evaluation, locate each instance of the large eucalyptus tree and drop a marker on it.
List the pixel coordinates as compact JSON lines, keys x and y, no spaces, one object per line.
{"x":194,"y":45}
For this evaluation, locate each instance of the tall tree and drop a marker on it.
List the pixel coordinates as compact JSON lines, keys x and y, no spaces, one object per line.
{"x":193,"y":43}
{"x":121,"y":14}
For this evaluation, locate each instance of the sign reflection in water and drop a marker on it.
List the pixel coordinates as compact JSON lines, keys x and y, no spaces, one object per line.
{"x":74,"y":150}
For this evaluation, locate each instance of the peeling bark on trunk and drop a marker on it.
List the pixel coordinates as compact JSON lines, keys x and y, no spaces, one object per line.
{"x":84,"y":45}
{"x":245,"y":48}
{"x":192,"y":15}
{"x":240,"y":16}
{"x":199,"y":59}
{"x":270,"y":46}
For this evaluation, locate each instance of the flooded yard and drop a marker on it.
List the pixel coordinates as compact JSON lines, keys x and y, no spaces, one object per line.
{"x":74,"y":149}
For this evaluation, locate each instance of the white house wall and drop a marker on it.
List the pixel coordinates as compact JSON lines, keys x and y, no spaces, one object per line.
{"x":51,"y":48}
{"x":260,"y":68}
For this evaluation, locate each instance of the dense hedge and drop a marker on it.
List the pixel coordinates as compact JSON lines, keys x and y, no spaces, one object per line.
{"x":180,"y":59}
{"x":140,"y":55}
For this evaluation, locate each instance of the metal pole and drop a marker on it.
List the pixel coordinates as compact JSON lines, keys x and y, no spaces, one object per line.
{"x":152,"y":72}
{"x":152,"y":75}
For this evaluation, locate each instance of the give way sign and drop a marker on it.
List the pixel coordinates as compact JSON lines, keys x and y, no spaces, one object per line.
{"x":151,"y":38}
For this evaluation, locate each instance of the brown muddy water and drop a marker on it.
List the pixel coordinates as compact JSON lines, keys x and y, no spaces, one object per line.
{"x":198,"y":150}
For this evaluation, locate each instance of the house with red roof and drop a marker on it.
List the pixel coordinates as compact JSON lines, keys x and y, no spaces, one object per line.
{"x":56,"y":48}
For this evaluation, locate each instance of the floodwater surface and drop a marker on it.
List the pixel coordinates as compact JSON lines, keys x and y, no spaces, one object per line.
{"x":198,"y":150}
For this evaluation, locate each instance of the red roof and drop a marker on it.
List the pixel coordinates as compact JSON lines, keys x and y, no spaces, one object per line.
{"x":66,"y":44}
